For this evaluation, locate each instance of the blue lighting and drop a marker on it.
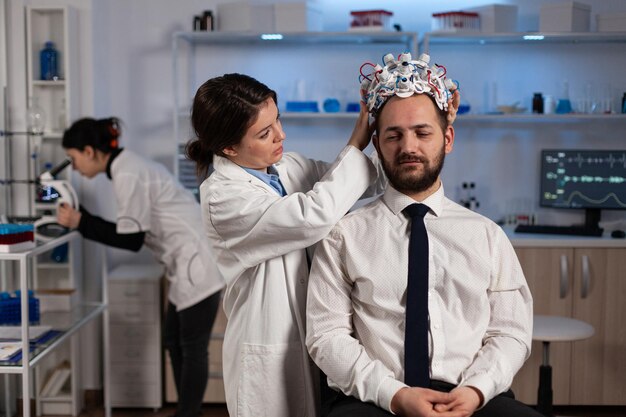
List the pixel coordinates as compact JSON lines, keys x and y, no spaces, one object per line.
{"x":533,"y":37}
{"x":271,"y":36}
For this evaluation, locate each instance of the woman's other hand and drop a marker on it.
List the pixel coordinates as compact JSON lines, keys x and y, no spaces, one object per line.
{"x":67,"y":216}
{"x":453,"y":106}
{"x":363,"y":130}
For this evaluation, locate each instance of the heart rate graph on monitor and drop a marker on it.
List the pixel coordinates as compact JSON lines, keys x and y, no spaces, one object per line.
{"x":592,"y":180}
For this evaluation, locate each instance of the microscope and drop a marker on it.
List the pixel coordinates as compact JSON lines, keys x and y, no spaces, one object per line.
{"x":58,"y":192}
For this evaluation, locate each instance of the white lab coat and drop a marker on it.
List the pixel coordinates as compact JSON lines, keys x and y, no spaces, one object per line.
{"x":150,"y":200}
{"x":260,"y":241}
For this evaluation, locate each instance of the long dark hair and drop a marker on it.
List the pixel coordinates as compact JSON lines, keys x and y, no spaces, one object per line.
{"x":223,"y":109}
{"x":101,"y":134}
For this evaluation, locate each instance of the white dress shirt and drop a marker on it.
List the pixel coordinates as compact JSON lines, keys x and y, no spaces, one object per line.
{"x":480,"y":307}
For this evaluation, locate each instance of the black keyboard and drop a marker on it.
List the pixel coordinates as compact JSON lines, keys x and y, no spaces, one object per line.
{"x":559,"y":230}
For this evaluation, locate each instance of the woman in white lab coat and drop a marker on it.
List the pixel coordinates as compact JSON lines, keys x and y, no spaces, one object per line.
{"x":155,"y":210}
{"x":262,"y":209}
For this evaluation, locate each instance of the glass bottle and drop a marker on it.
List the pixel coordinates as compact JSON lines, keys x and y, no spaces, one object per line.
{"x":35,"y":117}
{"x":538,"y":103}
{"x":48,"y":58}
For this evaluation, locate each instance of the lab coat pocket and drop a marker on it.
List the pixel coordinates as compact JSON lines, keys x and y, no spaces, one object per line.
{"x":272,"y":381}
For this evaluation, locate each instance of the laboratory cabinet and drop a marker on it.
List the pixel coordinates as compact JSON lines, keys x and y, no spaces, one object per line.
{"x":582,"y":279}
{"x":44,"y":356}
{"x":134,"y":294}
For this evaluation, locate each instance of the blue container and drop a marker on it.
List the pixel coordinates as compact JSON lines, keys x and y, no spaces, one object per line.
{"x":49,"y":60}
{"x":59,"y":254}
{"x":11,"y":312}
{"x":331,"y":105}
{"x":303,"y":106}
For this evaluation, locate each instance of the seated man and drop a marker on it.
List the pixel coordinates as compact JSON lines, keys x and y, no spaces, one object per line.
{"x":417,"y":309}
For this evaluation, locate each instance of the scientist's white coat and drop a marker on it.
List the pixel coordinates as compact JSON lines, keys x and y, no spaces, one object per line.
{"x":150,"y":200}
{"x":260,"y":241}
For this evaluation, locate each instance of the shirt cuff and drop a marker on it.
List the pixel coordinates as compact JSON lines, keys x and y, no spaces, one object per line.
{"x":387,"y":389}
{"x":484,"y":384}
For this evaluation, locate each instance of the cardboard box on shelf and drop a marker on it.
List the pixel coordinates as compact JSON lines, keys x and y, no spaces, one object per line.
{"x":297,"y":17}
{"x":56,"y":299}
{"x":497,"y":18}
{"x":569,"y":16}
{"x":245,"y":17}
{"x":614,"y":22}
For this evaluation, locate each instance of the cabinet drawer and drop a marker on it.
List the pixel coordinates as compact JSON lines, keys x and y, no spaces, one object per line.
{"x":135,"y":354}
{"x":136,"y":395}
{"x":135,"y":374}
{"x":135,"y":334}
{"x":132,"y":292}
{"x":134,"y":313}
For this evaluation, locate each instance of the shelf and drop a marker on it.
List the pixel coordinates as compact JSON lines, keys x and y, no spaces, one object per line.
{"x":45,"y":83}
{"x":53,"y":265}
{"x":541,"y":118}
{"x":321,"y":115}
{"x":40,"y":248}
{"x":522,"y":37}
{"x":298,"y":37}
{"x":67,"y":322}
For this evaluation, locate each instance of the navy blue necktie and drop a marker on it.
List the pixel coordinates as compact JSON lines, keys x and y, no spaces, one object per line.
{"x":416,"y":362}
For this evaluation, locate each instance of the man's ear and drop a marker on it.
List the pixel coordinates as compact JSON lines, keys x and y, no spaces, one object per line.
{"x":448,"y":139}
{"x":375,"y":142}
{"x":229,"y":151}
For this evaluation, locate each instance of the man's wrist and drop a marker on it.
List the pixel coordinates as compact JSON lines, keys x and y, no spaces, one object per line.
{"x":396,"y":401}
{"x":481,"y":397}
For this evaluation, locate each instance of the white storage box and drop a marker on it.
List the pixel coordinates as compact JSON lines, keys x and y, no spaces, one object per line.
{"x":244,"y":17}
{"x":297,"y":17}
{"x":497,"y":18}
{"x":569,"y":16}
{"x":614,"y":22}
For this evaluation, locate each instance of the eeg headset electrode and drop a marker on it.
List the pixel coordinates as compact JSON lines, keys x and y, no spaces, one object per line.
{"x":404,"y":77}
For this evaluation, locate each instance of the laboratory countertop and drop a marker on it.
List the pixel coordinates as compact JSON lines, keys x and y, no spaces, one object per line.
{"x":532,"y":240}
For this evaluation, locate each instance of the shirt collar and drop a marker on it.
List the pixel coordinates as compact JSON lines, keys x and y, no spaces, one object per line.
{"x":397,"y":201}
{"x":114,"y":154}
{"x":270,"y":178}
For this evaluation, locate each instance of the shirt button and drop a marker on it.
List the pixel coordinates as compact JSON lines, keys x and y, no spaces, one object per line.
{"x":436,"y":326}
{"x":302,"y":280}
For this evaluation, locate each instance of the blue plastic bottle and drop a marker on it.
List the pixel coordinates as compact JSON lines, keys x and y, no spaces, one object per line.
{"x":49,"y":58}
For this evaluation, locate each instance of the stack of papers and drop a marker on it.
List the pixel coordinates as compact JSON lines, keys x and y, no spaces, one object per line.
{"x":8,"y":349}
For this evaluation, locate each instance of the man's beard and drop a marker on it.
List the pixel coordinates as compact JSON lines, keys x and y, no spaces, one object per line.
{"x":410,"y":179}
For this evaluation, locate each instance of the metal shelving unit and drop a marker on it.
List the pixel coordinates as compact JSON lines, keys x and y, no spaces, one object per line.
{"x":445,"y":38}
{"x":67,"y":323}
{"x":529,"y":40}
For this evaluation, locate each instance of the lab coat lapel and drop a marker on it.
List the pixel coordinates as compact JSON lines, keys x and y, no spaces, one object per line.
{"x":233,"y":171}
